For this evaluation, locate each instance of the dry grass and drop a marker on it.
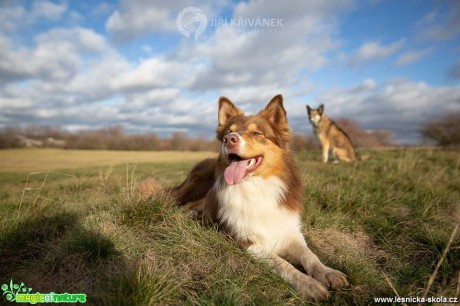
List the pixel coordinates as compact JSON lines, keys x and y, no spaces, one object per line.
{"x":387,"y":223}
{"x":30,"y":160}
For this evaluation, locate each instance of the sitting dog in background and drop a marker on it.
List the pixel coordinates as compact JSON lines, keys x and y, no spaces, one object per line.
{"x":254,"y":193}
{"x":331,"y":136}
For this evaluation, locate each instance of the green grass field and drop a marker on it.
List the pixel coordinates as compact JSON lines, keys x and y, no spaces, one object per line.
{"x":73,"y":221}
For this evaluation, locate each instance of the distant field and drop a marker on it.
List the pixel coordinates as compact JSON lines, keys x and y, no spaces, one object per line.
{"x":390,"y":223}
{"x":52,"y":159}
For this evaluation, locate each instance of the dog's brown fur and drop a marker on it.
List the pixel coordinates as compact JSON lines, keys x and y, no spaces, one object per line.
{"x":331,"y":136}
{"x":253,"y":192}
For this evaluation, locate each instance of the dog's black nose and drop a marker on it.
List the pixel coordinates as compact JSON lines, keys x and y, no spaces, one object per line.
{"x":231,"y":139}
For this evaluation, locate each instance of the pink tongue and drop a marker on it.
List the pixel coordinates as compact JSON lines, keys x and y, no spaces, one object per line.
{"x":236,"y":171}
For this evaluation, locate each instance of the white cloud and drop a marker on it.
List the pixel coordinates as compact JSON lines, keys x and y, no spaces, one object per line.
{"x":57,"y":54}
{"x":48,"y":10}
{"x":440,"y":24}
{"x":411,"y":57}
{"x":367,"y":84}
{"x":15,"y":103}
{"x":76,"y":39}
{"x":153,"y":72}
{"x":102,"y":8}
{"x":95,"y":83}
{"x":374,"y":51}
{"x":149,"y":20}
{"x":13,"y":16}
{"x":142,"y":17}
{"x":10,"y":17}
{"x":236,"y":57}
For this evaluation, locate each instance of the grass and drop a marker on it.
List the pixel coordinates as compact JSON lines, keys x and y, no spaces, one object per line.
{"x":390,"y":223}
{"x":52,"y":159}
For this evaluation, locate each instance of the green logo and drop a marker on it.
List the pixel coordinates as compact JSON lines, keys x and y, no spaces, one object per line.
{"x":21,"y":294}
{"x":13,"y":290}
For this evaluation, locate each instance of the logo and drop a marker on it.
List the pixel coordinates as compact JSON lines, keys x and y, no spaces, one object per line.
{"x":191,"y":21}
{"x":21,"y":294}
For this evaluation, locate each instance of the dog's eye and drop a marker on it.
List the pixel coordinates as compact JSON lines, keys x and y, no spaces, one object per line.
{"x":256,"y":133}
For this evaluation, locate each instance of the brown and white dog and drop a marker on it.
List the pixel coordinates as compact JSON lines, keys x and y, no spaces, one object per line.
{"x":253,"y":192}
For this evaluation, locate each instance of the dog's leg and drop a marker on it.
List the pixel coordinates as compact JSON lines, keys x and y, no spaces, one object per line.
{"x":307,"y":287}
{"x":341,"y":155}
{"x":299,"y":253}
{"x":325,"y":147}
{"x":336,"y":155}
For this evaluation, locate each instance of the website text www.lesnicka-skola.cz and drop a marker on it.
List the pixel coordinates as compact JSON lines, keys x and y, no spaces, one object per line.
{"x":416,"y":299}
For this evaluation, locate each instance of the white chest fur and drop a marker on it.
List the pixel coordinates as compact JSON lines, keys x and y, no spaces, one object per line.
{"x":252,"y":210}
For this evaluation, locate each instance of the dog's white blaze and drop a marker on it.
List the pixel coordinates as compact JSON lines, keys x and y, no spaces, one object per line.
{"x":252,"y":210}
{"x":316,"y":119}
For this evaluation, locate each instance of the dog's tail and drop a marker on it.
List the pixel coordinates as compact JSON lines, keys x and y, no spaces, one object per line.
{"x":149,"y":187}
{"x":197,"y":184}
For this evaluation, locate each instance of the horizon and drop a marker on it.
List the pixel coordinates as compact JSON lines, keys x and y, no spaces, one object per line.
{"x":161,"y":67}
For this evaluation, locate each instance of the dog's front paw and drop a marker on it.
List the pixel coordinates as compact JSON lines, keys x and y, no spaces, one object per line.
{"x":309,"y":289}
{"x":331,"y":278}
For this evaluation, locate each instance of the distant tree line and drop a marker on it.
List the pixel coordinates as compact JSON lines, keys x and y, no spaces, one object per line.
{"x":111,"y":138}
{"x":365,"y":138}
{"x":444,"y":131}
{"x":359,"y":137}
{"x":116,"y":138}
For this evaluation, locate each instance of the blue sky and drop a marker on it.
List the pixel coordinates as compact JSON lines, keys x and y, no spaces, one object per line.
{"x":92,"y":64}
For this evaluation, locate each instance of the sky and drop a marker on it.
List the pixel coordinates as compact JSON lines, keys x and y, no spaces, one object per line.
{"x":161,"y":66}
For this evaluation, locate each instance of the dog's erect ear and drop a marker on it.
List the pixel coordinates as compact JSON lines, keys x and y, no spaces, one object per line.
{"x":308,"y":109}
{"x":227,"y":110}
{"x":321,"y":109}
{"x":274,"y":111}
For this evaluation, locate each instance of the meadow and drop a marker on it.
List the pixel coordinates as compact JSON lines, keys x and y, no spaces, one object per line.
{"x":74,"y":221}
